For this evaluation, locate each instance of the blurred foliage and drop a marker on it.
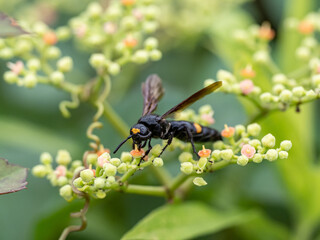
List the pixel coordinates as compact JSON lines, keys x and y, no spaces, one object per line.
{"x":284,"y":195}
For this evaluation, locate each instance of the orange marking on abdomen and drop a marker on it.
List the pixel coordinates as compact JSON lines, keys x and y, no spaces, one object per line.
{"x":198,"y":127}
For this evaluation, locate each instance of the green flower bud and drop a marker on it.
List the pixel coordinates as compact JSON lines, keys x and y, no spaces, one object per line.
{"x":10,"y":77}
{"x":151,"y":43}
{"x":156,"y":150}
{"x":151,"y":12}
{"x":310,"y":42}
{"x":185,"y":157}
{"x":310,"y":95}
{"x":216,"y":154}
{"x":140,"y":56}
{"x":150,"y":26}
{"x":206,"y":109}
{"x":115,"y":162}
{"x":218,"y":145}
{"x":78,"y":183}
{"x":94,"y":10}
{"x":257,"y":158}
{"x":278,"y":88}
{"x":208,"y":82}
{"x":226,"y":76}
{"x":52,"y":52}
{"x":126,"y":157}
{"x":39,"y":171}
{"x":285,"y":96}
{"x":283,"y":155}
{"x":239,"y":129}
{"x":240,"y":36}
{"x":242,"y":160}
{"x":279,"y":78}
{"x":57,"y":77}
{"x":129,"y":22}
{"x":114,"y":11}
{"x":39,"y":27}
{"x":63,"y":157}
{"x":254,"y":129}
{"x":87,"y":175}
{"x":199,"y":181}
{"x":303,"y":53}
{"x":66,"y":192}
{"x":272,"y":155}
{"x":298,"y":91}
{"x":65,"y":64}
{"x":22,"y":46}
{"x":101,"y":194}
{"x":122,"y":168}
{"x":6,"y":53}
{"x":286,"y":145}
{"x":255,"y":143}
{"x":109,"y":169}
{"x":95,"y":39}
{"x":92,"y":158}
{"x":99,"y":182}
{"x":63,"y":33}
{"x":46,"y":158}
{"x":261,"y":56}
{"x":316,"y":79}
{"x":75,"y":164}
{"x":62,"y":181}
{"x":158,"y":162}
{"x":226,"y":154}
{"x":155,"y":55}
{"x":266,"y":97}
{"x":186,"y":167}
{"x":30,"y":80}
{"x":268,"y":141}
{"x":97,"y":60}
{"x":33,"y":64}
{"x":114,"y":68}
{"x":256,"y":90}
{"x":202,"y":162}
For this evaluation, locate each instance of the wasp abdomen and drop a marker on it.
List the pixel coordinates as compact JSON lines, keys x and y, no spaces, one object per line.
{"x":199,"y":133}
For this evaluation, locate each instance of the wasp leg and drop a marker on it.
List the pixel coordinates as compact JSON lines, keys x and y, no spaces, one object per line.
{"x":144,"y":144}
{"x":191,"y":141}
{"x":168,"y":143}
{"x":147,"y":152}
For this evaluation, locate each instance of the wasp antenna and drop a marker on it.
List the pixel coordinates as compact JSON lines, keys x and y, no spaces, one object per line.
{"x":122,"y":143}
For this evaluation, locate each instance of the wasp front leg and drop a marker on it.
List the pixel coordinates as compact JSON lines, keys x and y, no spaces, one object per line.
{"x":147,"y":152}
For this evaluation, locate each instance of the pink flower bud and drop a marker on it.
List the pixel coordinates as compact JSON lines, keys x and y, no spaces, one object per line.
{"x":80,"y":31}
{"x":104,"y":158}
{"x":60,"y":171}
{"x":137,"y":14}
{"x":246,"y":86}
{"x":16,"y":67}
{"x":248,"y":151}
{"x":110,"y":27}
{"x":208,"y":118}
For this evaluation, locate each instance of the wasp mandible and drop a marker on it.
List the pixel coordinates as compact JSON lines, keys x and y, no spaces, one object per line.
{"x":155,"y":126}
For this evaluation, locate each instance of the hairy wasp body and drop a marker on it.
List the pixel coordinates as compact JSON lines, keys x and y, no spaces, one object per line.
{"x":155,"y":126}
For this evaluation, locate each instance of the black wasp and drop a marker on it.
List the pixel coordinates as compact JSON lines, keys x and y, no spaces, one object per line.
{"x":154,"y":126}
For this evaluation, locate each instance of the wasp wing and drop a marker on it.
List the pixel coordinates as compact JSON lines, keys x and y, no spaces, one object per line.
{"x":152,"y":92}
{"x":193,"y":98}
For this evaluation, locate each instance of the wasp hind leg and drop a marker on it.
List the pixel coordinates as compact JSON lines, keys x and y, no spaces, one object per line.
{"x":191,"y":141}
{"x":168,"y":143}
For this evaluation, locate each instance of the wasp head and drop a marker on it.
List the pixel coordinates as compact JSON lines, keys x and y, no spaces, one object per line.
{"x":139,"y":133}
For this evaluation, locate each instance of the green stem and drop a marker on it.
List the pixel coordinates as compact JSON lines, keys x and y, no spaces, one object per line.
{"x":178,"y":181}
{"x":220,"y":164}
{"x":115,"y":120}
{"x":146,"y":190}
{"x":162,"y":174}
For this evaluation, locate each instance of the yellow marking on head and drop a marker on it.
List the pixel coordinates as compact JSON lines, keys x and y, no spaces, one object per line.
{"x":135,"y":130}
{"x":198,"y":127}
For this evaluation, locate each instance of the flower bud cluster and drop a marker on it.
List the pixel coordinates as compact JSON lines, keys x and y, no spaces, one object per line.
{"x":103,"y":174}
{"x":41,"y":60}
{"x":240,"y":145}
{"x":118,"y":34}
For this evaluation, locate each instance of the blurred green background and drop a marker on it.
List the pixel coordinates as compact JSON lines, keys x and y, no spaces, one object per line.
{"x":30,"y":123}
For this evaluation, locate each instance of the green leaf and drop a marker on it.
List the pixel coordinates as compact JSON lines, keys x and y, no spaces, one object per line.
{"x":9,"y":27}
{"x":185,"y":221}
{"x":12,"y":177}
